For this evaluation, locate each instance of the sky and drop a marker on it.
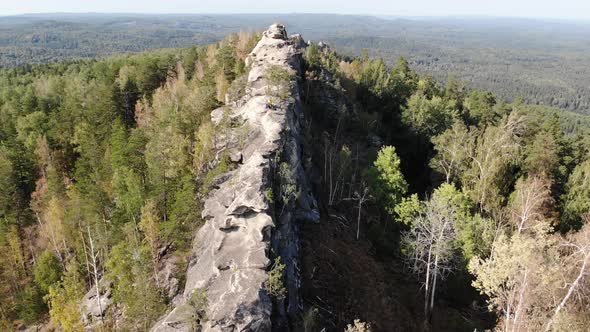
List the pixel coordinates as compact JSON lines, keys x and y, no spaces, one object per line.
{"x":560,"y":9}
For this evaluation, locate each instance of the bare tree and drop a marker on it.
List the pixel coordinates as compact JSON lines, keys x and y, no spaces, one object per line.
{"x":94,"y":264}
{"x":361,"y":198}
{"x":430,"y":248}
{"x":531,"y":203}
{"x":577,"y":263}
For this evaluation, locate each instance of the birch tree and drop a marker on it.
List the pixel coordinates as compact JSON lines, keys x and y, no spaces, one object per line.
{"x":430,"y":247}
{"x":531,"y":202}
{"x":361,"y":197}
{"x":495,"y":149}
{"x":573,"y":286}
{"x":508,"y":277}
{"x":452,"y":151}
{"x":94,"y":254}
{"x":149,"y":227}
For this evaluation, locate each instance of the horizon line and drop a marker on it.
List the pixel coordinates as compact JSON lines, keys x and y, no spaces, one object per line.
{"x":379,"y":16}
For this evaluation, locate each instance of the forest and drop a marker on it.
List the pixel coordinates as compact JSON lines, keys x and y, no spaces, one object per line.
{"x":543,"y":61}
{"x":448,"y":208}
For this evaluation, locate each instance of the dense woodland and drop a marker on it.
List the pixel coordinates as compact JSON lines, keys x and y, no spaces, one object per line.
{"x":104,"y":165}
{"x":98,"y":168}
{"x":544,"y":62}
{"x":468,"y":192}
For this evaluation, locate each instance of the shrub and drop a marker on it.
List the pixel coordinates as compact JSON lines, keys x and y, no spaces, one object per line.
{"x":279,"y":82}
{"x":268,"y":193}
{"x":47,"y":271}
{"x":199,"y":303}
{"x":274,"y":284}
{"x":288,"y":187}
{"x":358,"y":326}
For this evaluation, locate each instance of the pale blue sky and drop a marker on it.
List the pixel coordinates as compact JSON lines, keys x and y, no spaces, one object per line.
{"x":569,"y":9}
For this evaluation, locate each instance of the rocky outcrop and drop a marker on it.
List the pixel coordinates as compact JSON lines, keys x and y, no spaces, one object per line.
{"x":94,"y":306}
{"x":243,"y":232}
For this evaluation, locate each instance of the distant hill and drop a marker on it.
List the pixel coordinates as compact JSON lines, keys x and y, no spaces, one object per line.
{"x":545,"y":62}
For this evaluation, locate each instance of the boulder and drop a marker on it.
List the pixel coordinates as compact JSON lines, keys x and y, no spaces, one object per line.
{"x":94,"y":307}
{"x":236,"y":157}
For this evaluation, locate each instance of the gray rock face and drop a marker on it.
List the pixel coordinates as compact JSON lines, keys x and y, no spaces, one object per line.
{"x":93,"y":307}
{"x":232,"y":251}
{"x":167,"y":275}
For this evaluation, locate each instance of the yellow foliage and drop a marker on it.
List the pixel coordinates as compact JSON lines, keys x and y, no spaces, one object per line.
{"x":64,"y":301}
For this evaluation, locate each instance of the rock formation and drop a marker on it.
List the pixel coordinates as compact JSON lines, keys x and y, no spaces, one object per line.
{"x":244,"y":227}
{"x":93,"y":307}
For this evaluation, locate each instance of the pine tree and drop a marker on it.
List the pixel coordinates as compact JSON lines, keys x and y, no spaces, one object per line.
{"x":386,"y":180}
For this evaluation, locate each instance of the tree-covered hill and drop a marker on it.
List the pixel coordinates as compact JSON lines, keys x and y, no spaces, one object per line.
{"x":545,"y":62}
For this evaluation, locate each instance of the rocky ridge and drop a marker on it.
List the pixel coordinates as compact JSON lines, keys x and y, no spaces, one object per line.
{"x":245,"y":228}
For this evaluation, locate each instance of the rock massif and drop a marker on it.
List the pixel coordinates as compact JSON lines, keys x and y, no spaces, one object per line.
{"x":247,"y":226}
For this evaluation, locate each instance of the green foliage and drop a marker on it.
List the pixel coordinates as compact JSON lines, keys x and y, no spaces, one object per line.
{"x":203,"y":151}
{"x":7,"y":185}
{"x":495,"y":151}
{"x":408,"y":209}
{"x":31,"y":127}
{"x":429,"y":116}
{"x":480,"y":57}
{"x":457,"y":200}
{"x":64,"y":299}
{"x":576,"y":200}
{"x":184,"y":214}
{"x":474,"y":233}
{"x":199,"y":302}
{"x":129,"y":267}
{"x":48,"y":271}
{"x":189,"y":59}
{"x":222,"y":167}
{"x":238,"y":88}
{"x":480,"y":108}
{"x":386,"y":180}
{"x":475,"y":236}
{"x":269,"y":195}
{"x":288,"y":190}
{"x":453,"y":148}
{"x":279,"y":82}
{"x":274,"y":284}
{"x":312,"y":56}
{"x":542,"y":155}
{"x":30,"y":307}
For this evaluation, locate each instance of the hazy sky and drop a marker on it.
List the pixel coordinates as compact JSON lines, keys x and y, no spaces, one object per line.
{"x":572,"y":9}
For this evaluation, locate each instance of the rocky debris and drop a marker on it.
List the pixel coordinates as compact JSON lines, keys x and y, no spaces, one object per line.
{"x":93,"y":309}
{"x":231,"y":252}
{"x":217,"y":115}
{"x":375,"y":140}
{"x":38,"y":328}
{"x":236,"y":157}
{"x":323,"y":46}
{"x":167,"y":275}
{"x":298,"y":41}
